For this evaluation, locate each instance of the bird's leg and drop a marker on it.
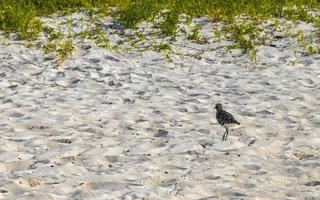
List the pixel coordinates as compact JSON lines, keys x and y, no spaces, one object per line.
{"x":225,"y":136}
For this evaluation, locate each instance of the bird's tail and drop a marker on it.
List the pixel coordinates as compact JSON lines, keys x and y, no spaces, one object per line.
{"x":237,"y":122}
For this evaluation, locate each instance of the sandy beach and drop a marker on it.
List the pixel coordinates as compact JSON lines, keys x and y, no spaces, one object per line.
{"x":132,"y":125}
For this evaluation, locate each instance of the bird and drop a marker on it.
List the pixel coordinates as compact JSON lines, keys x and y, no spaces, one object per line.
{"x":225,"y":119}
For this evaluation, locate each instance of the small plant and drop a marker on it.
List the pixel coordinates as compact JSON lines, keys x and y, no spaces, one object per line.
{"x":169,"y":25}
{"x":317,"y":25}
{"x":253,"y":55}
{"x":162,"y":47}
{"x":99,"y":36}
{"x":276,"y":23}
{"x":189,"y":19}
{"x":214,"y":15}
{"x":69,"y":28}
{"x":168,"y":58}
{"x":84,"y":35}
{"x":196,"y":36}
{"x":307,"y":42}
{"x":105,"y":42}
{"x":32,"y":30}
{"x":51,"y":34}
{"x":140,"y":36}
{"x":301,"y":38}
{"x":294,"y":60}
{"x":218,"y":34}
{"x":64,"y":50}
{"x":50,"y":47}
{"x":310,"y":50}
{"x":246,"y":36}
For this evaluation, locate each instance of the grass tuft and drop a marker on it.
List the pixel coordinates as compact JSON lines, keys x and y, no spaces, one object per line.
{"x":170,"y":23}
{"x":246,"y":36}
{"x":64,"y":50}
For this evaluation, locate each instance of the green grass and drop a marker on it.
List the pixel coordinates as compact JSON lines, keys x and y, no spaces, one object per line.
{"x":246,"y":36}
{"x":23,"y":17}
{"x":64,"y":50}
{"x":20,"y":15}
{"x":169,"y":25}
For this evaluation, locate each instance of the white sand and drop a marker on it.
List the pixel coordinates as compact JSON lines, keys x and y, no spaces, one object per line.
{"x":86,"y":130}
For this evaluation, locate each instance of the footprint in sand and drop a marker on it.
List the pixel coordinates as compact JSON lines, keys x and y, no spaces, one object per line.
{"x":16,"y":115}
{"x":307,"y":82}
{"x":94,"y":60}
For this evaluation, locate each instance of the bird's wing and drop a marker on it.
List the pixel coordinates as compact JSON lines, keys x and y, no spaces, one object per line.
{"x":228,"y":118}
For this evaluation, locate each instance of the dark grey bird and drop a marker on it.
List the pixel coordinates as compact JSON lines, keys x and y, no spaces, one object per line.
{"x":224,"y":119}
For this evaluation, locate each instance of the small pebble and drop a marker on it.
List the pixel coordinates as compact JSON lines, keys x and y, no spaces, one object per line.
{"x":161,"y":133}
{"x":85,"y":46}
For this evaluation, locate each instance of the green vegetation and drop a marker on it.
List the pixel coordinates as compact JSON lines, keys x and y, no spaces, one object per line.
{"x":169,"y":25}
{"x":246,"y":36}
{"x":241,"y":19}
{"x":138,"y":11}
{"x":196,"y":36}
{"x":64,"y":49}
{"x":20,"y":16}
{"x":162,"y":47}
{"x":307,"y":42}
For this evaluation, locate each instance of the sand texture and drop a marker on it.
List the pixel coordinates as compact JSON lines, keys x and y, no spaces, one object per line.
{"x":131,"y":125}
